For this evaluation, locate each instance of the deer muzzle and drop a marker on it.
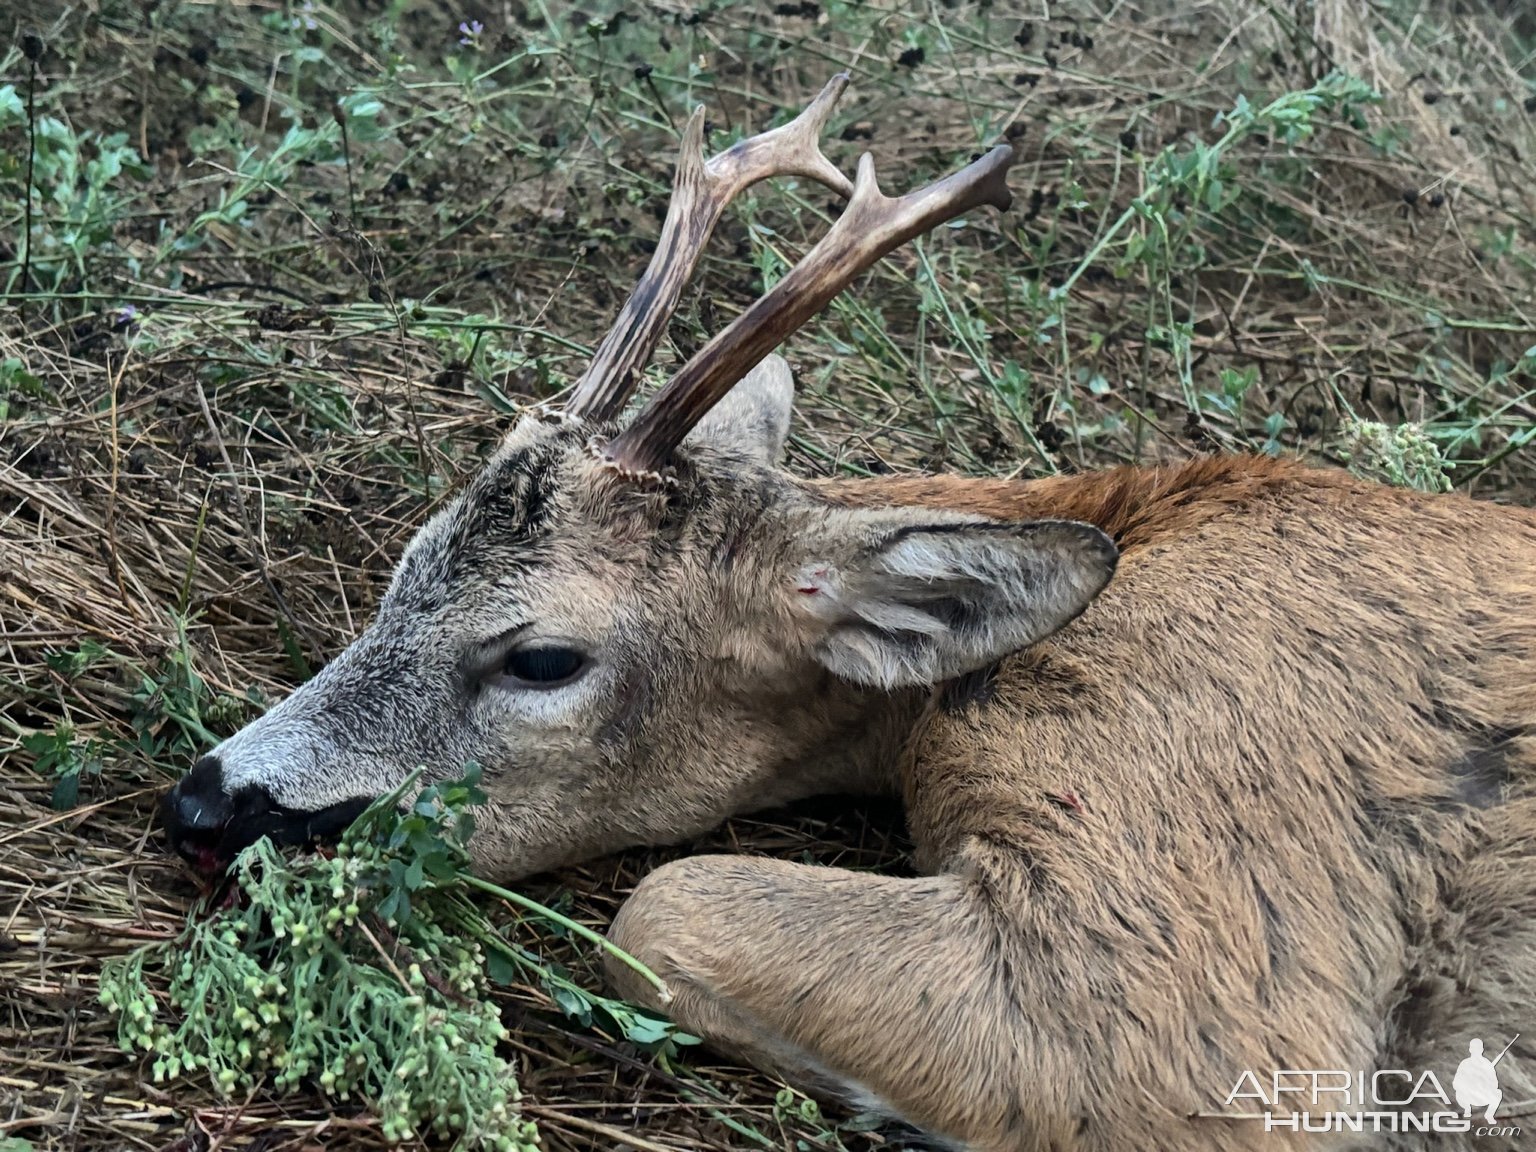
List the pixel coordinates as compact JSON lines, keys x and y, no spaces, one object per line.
{"x":209,"y":826}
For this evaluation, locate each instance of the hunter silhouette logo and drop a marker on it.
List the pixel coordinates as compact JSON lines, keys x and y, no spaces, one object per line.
{"x":1387,"y":1100}
{"x":1477,"y":1080}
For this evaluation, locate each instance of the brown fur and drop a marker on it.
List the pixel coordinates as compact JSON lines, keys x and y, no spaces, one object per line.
{"x":1269,"y":803}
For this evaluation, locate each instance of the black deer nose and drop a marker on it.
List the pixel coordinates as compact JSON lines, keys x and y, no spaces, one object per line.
{"x":198,"y":810}
{"x":209,"y":827}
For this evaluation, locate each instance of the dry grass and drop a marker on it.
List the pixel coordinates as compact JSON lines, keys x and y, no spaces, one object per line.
{"x":203,"y":498}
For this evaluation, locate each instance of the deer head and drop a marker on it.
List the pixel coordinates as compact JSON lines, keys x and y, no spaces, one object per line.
{"x":637,"y":631}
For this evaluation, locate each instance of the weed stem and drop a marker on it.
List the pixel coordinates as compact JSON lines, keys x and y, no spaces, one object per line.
{"x":570,"y":925}
{"x":32,"y":54}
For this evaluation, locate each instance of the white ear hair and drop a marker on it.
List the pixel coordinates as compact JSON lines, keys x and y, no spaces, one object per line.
{"x":927,"y":600}
{"x":753,"y":418}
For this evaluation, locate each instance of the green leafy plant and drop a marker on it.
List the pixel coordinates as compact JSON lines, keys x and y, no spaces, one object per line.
{"x":328,"y":973}
{"x":1399,"y":454}
{"x":176,"y":711}
{"x":173,"y":713}
{"x":18,"y":386}
{"x":78,"y":184}
{"x":67,"y":756}
{"x":355,"y":118}
{"x":1183,"y":182}
{"x":362,"y":973}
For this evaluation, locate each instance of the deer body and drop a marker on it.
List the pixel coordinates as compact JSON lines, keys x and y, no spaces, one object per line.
{"x":1171,"y":842}
{"x":1211,"y":769}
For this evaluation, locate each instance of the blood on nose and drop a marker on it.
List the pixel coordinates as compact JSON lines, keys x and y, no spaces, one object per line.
{"x":209,"y":826}
{"x":197,"y":810}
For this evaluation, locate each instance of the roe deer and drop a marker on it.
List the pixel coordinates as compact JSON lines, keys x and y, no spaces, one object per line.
{"x":1214,"y":771}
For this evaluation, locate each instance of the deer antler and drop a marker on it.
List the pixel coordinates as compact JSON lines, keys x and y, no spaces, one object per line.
{"x":700,"y":192}
{"x":872,"y":225}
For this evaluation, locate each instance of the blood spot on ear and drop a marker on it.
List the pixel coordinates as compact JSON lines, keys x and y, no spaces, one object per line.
{"x":812,"y":583}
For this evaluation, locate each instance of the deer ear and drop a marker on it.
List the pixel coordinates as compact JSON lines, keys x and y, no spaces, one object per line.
{"x":752,"y":420}
{"x":912,"y":601}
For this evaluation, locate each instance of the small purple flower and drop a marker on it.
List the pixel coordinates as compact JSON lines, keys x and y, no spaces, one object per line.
{"x":124,"y":316}
{"x":469,"y":33}
{"x":306,"y":17}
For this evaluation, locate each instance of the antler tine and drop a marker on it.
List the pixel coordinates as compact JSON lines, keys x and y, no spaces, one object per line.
{"x":700,"y":192}
{"x":871,"y":226}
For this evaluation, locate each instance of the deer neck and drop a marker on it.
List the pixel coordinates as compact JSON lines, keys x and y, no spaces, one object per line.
{"x":859,"y":745}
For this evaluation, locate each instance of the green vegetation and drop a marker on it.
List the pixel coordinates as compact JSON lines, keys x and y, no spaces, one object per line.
{"x":275,"y":274}
{"x":360,"y":973}
{"x":298,"y":986}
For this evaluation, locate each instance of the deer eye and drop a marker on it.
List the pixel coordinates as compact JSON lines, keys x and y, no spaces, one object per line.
{"x":546,"y":666}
